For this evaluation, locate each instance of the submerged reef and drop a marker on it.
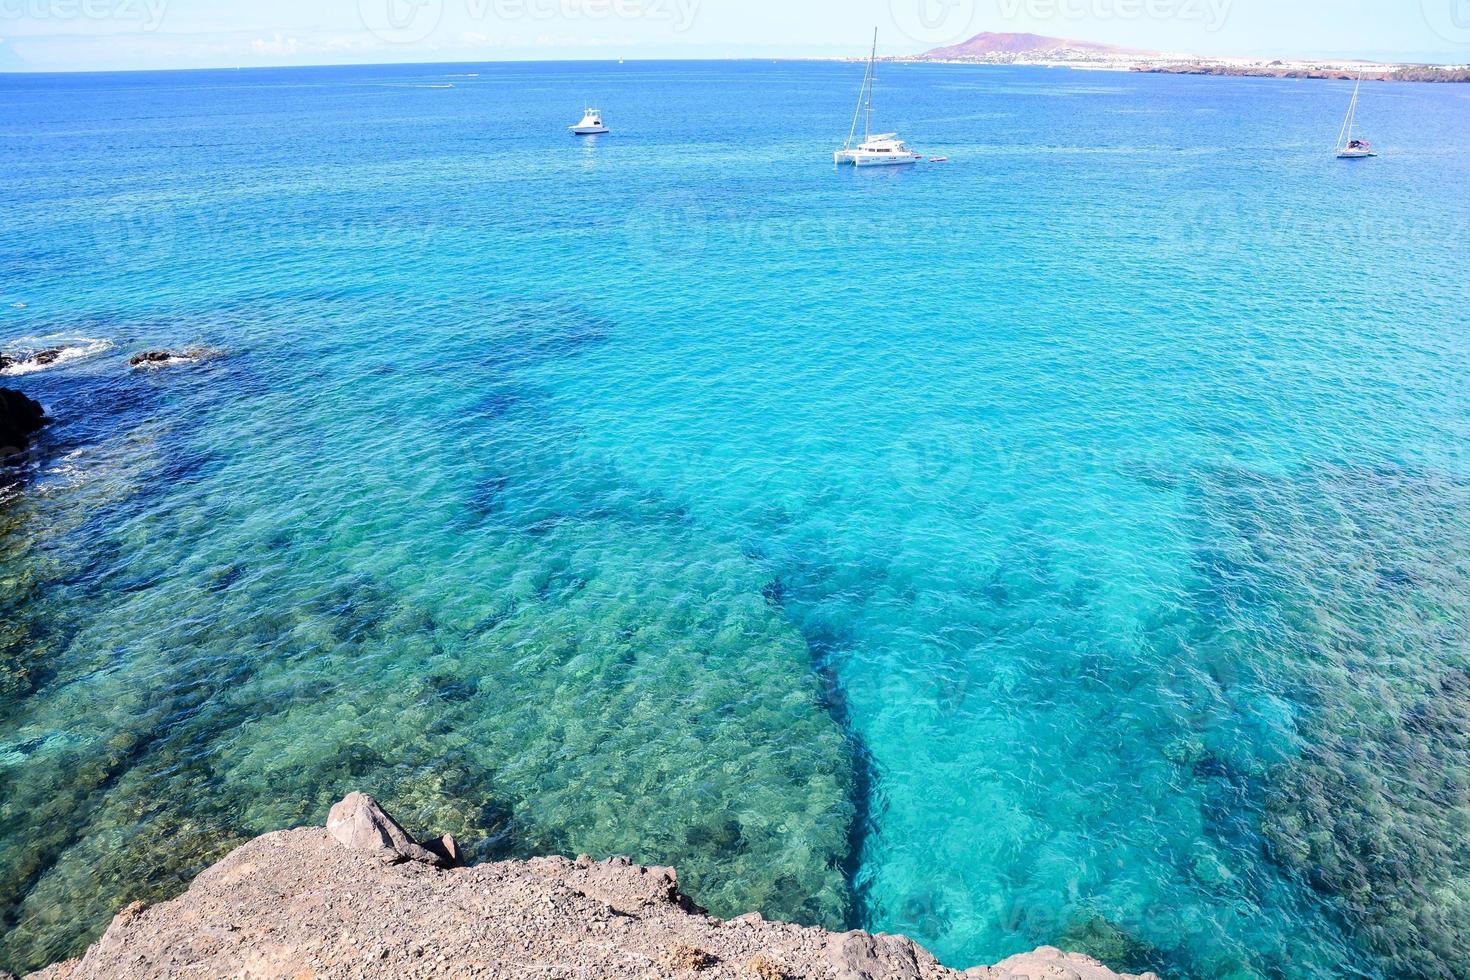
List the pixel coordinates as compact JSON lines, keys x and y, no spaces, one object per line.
{"x":555,"y":676}
{"x":1345,"y":590}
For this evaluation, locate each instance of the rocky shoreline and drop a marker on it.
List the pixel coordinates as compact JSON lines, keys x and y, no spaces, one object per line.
{"x":361,"y":899}
{"x":1403,"y":73}
{"x":20,"y":418}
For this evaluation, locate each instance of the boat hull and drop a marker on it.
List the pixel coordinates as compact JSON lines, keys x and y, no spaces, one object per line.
{"x":1355,"y":154}
{"x":875,"y":160}
{"x":589,"y":130}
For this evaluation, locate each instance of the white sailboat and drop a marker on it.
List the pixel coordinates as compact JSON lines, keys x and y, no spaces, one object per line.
{"x":1350,"y":147}
{"x":883,"y":149}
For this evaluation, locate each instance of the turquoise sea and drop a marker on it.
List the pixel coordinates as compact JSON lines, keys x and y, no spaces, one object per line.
{"x":1069,"y":543}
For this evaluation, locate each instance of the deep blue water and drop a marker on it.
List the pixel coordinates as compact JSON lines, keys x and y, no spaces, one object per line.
{"x":1065,"y":544}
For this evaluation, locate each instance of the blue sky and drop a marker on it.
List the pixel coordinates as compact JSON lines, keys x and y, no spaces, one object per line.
{"x":61,"y":35}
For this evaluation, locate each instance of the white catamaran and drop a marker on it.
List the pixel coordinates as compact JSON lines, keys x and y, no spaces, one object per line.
{"x":884,"y":149}
{"x":1350,"y":147}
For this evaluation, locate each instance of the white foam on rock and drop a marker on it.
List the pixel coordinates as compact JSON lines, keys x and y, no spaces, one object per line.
{"x":72,"y":349}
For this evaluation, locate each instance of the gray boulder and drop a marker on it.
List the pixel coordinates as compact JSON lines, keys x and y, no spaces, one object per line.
{"x":1050,"y":963}
{"x":358,"y":823}
{"x":861,"y":956}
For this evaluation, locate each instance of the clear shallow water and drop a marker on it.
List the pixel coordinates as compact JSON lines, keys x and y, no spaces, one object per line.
{"x":1085,"y":564}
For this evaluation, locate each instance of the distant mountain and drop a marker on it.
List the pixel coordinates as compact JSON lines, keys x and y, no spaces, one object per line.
{"x":1004,"y":47}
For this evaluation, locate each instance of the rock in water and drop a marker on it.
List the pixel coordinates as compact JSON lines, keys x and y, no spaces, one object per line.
{"x":358,"y":823}
{"x":161,"y":357}
{"x":43,"y":358}
{"x":20,"y":418}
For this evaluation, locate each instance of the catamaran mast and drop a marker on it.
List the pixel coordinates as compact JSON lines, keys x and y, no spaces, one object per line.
{"x":865,"y":100}
{"x":872,"y":63}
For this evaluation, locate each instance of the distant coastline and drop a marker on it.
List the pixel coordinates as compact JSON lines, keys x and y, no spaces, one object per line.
{"x":1052,"y":52}
{"x":1398,"y":73}
{"x":1274,"y":69}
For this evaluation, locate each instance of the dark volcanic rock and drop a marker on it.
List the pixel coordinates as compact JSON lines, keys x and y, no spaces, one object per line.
{"x":44,"y":358}
{"x":20,"y":418}
{"x":161,"y":357}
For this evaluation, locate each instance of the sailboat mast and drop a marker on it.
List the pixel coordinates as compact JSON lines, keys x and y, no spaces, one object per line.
{"x":872,"y":63}
{"x":865,"y":99}
{"x":1347,"y":124}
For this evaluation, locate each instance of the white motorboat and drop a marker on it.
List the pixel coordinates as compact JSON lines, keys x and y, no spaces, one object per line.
{"x":1348,"y":146}
{"x":881,"y":150}
{"x":591,"y":124}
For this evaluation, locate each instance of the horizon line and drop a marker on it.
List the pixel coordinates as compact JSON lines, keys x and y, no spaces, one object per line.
{"x":912,"y":58}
